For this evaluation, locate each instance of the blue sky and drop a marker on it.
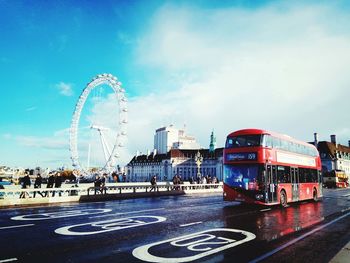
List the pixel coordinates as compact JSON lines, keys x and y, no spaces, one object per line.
{"x":221,"y":65}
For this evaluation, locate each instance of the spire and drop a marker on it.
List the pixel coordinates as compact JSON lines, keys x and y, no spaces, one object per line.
{"x":212,"y":144}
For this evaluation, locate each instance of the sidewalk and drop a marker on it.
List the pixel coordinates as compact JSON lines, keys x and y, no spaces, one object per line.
{"x":343,"y":256}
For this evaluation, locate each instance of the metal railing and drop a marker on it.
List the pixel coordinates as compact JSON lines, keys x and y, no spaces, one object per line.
{"x":147,"y":187}
{"x":14,"y":195}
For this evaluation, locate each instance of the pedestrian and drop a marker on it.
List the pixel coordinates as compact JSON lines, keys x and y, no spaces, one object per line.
{"x":97,"y":184}
{"x":153,"y":183}
{"x":58,"y":183}
{"x":25,"y":182}
{"x":37,"y":184}
{"x":103,"y":183}
{"x":50,"y":183}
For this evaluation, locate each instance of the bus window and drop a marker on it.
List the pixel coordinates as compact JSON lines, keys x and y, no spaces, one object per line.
{"x":283,"y":174}
{"x":243,"y":141}
{"x":267,"y":141}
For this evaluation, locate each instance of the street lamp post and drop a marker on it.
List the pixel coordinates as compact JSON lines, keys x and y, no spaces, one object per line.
{"x":198,"y":160}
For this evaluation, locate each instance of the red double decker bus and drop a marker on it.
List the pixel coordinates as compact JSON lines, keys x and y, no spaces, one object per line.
{"x":268,"y":168}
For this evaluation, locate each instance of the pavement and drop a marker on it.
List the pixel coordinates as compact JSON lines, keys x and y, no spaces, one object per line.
{"x":343,"y":255}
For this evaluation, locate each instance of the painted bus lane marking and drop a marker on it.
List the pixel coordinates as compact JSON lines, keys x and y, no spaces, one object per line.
{"x":60,"y":214}
{"x":191,"y":224}
{"x":16,"y":226}
{"x":8,"y":260}
{"x":194,"y":246}
{"x":125,"y":213}
{"x":108,"y":225}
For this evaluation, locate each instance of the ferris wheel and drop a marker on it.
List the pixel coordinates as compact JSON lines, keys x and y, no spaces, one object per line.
{"x":110,"y":149}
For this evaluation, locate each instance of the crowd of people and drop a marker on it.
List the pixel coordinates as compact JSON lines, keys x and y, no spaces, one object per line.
{"x":55,"y":180}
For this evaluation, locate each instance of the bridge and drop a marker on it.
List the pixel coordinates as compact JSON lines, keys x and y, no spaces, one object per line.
{"x":176,"y":228}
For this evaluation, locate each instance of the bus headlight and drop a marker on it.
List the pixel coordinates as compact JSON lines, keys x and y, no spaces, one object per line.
{"x":259,"y":196}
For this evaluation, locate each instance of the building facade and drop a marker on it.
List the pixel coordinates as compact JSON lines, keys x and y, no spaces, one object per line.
{"x":334,"y":156}
{"x":167,"y":138}
{"x":176,"y":161}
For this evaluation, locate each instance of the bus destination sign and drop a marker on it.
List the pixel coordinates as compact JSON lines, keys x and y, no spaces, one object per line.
{"x":252,"y":156}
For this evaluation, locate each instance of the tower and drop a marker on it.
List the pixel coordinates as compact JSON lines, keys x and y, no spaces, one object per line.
{"x":212,"y":144}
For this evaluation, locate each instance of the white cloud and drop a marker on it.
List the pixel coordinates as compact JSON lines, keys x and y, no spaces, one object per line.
{"x":232,"y":69}
{"x":7,"y":136}
{"x":65,"y":89}
{"x":31,"y":108}
{"x":52,"y":143}
{"x":282,"y":68}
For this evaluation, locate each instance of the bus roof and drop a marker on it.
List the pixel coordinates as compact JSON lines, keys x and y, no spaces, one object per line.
{"x":275,"y":134}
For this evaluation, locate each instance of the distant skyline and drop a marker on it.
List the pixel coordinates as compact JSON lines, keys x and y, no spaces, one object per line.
{"x":209,"y":65}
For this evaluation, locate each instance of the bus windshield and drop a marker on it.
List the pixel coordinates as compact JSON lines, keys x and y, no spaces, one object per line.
{"x":242,"y":176}
{"x":243,"y":141}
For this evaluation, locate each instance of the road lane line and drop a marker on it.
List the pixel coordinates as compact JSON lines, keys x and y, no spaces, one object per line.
{"x":346,"y":209}
{"x":7,"y":227}
{"x":267,"y":209}
{"x":8,"y":260}
{"x":190,"y":224}
{"x":268,"y":254}
{"x":134,"y":212}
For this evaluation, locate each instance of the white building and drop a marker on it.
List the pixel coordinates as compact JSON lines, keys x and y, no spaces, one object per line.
{"x":334,"y":156}
{"x":181,"y":162}
{"x":167,"y":138}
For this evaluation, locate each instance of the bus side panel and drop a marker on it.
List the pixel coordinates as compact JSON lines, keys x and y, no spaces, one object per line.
{"x":306,"y":190}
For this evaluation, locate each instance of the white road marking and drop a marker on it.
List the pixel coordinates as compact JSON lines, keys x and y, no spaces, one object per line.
{"x":190,"y":224}
{"x":267,"y":209}
{"x":297,"y":239}
{"x":7,"y":227}
{"x":61,"y":214}
{"x":8,"y":260}
{"x":346,"y":195}
{"x":134,"y":212}
{"x":144,"y":254}
{"x":346,"y":209}
{"x":110,"y":225}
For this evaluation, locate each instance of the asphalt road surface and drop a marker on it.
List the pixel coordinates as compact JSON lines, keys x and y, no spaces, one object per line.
{"x":200,"y":228}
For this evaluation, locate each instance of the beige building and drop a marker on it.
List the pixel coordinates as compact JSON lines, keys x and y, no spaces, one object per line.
{"x":176,"y":161}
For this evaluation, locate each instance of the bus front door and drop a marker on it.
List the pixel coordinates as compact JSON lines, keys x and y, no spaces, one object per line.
{"x":271,"y":183}
{"x":295,"y":183}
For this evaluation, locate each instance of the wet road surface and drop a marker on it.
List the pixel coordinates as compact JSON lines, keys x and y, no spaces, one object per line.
{"x":200,"y":228}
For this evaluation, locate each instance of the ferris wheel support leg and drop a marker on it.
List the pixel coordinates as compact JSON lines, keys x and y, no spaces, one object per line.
{"x":103,"y":147}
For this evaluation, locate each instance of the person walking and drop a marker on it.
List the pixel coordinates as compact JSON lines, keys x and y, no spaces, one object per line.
{"x":37,"y":184}
{"x":50,"y":183}
{"x":97,"y":184}
{"x":25,"y":184}
{"x":153,"y":183}
{"x":103,"y":183}
{"x":58,"y":183}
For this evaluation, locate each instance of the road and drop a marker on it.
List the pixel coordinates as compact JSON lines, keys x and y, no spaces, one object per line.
{"x":200,"y":228}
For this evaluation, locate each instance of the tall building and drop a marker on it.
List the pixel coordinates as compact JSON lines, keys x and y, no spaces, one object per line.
{"x":174,"y":153}
{"x":167,"y":138}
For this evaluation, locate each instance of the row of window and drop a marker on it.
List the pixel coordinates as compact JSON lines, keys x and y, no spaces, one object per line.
{"x":270,"y":141}
{"x":277,"y":143}
{"x":301,"y":175}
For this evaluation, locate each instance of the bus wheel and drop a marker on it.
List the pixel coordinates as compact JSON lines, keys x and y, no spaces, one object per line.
{"x":283,"y":198}
{"x":314,"y":195}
